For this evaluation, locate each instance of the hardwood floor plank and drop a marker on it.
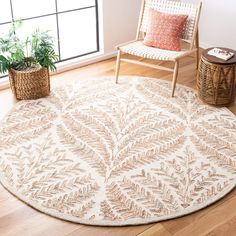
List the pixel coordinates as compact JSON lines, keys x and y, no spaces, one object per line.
{"x":177,"y":224}
{"x":107,"y":231}
{"x":10,"y":221}
{"x":40,"y":225}
{"x":4,"y":194}
{"x":227,"y":228}
{"x":156,"y":230}
{"x":208,"y":222}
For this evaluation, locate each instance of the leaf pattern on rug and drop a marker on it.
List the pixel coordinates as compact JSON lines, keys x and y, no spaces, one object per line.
{"x":99,"y":153}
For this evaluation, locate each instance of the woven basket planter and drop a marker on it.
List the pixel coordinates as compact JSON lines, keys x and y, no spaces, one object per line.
{"x":32,"y":83}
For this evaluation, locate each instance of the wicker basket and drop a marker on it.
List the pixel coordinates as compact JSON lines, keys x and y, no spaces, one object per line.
{"x":215,"y":83}
{"x":32,"y":83}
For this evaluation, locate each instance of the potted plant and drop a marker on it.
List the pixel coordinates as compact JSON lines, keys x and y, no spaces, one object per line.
{"x":28,"y":62}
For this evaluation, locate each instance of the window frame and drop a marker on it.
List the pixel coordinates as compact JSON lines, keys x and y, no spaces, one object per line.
{"x":56,"y":14}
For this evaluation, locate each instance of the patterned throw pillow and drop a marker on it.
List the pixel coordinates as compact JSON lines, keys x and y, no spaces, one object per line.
{"x":164,"y":30}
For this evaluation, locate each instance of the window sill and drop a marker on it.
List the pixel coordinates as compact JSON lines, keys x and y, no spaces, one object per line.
{"x":69,"y":65}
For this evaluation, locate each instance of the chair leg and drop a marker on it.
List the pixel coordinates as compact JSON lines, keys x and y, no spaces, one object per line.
{"x":176,"y":69}
{"x":197,"y":58}
{"x":117,"y":66}
{"x":197,"y":52}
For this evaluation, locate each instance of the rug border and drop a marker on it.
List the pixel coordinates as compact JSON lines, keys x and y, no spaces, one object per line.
{"x":130,"y":222}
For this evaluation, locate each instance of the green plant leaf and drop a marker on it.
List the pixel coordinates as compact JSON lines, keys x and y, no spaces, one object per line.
{"x":36,"y":50}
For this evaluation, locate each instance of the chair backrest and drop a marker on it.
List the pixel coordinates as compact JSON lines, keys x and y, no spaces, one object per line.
{"x":172,"y":7}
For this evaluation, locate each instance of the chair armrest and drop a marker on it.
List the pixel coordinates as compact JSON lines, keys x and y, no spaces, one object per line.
{"x":187,"y":53}
{"x":124,"y":44}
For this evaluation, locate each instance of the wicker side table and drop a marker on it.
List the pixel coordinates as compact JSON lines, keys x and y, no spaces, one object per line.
{"x":215,"y":82}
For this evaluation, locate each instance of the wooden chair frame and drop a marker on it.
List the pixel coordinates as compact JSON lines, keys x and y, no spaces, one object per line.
{"x":193,"y":48}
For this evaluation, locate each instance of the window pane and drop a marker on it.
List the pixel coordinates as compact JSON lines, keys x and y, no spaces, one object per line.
{"x":5,"y":11}
{"x":4,"y":29}
{"x":43,"y":23}
{"x":77,"y":32}
{"x":64,"y":5}
{"x":31,"y":8}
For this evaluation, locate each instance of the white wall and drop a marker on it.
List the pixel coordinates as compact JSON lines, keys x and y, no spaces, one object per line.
{"x":120,"y":20}
{"x":217,"y":23}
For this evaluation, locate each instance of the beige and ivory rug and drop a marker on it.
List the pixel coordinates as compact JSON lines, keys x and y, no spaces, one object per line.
{"x":105,"y":154}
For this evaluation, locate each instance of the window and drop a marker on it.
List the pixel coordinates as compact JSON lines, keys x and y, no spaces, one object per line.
{"x":73,"y":23}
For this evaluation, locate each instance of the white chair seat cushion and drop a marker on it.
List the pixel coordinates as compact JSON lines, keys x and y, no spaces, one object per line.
{"x":141,"y":50}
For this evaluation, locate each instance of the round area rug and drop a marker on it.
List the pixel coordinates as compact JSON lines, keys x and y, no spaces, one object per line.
{"x":99,"y":153}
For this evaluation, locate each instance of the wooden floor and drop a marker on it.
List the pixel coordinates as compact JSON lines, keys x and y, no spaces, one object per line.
{"x":16,"y":218}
